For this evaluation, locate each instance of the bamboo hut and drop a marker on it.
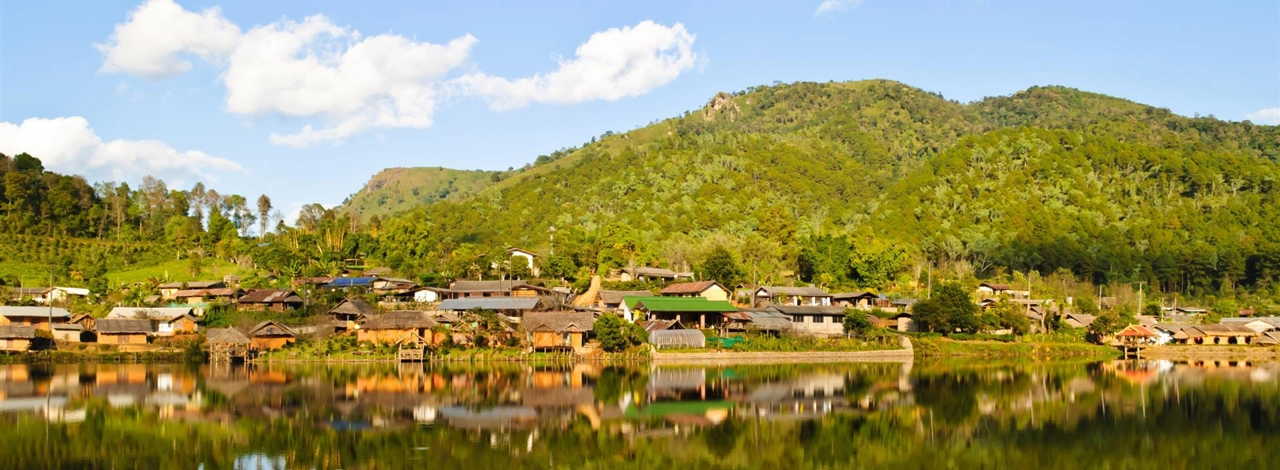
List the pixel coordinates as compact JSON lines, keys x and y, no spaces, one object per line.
{"x":226,"y":344}
{"x":400,"y":327}
{"x":16,"y":338}
{"x":271,"y":335}
{"x":559,"y":330}
{"x":348,"y":314}
{"x":120,"y":331}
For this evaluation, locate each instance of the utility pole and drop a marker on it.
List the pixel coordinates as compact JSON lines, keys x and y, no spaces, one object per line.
{"x":929,"y":293}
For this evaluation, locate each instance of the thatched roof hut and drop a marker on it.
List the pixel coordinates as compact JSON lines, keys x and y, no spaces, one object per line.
{"x":226,"y":336}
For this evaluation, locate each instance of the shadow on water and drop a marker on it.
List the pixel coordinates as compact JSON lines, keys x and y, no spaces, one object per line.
{"x":1120,"y":414}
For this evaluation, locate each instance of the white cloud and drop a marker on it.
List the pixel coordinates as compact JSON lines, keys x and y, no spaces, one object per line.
{"x":69,"y":145}
{"x":151,"y":43}
{"x":1265,"y":116}
{"x":611,"y":65}
{"x":832,"y":6}
{"x":315,"y":68}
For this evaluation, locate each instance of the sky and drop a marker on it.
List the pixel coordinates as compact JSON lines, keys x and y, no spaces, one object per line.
{"x":305,"y":100}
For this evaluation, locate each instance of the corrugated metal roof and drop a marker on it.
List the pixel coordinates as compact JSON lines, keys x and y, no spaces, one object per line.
{"x":193,"y":284}
{"x":16,"y":311}
{"x":688,"y":287}
{"x":17,"y":332}
{"x":773,"y":291}
{"x":683,"y":304}
{"x":351,"y":282}
{"x":559,"y":322}
{"x":270,"y":296}
{"x":616,"y":297}
{"x":491,"y":303}
{"x":809,"y":309}
{"x":157,"y":313}
{"x":122,"y":326}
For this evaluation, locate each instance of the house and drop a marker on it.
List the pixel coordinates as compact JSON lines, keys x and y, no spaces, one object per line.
{"x":814,"y":320}
{"x":400,"y":327}
{"x":525,"y":256}
{"x":558,"y":330}
{"x":348,"y":314}
{"x":1138,"y":334}
{"x":120,"y":331}
{"x":428,"y":294}
{"x":1216,"y":334}
{"x":509,"y":306}
{"x":464,"y":289}
{"x":615,"y":300}
{"x":271,"y":335}
{"x":903,"y":321}
{"x":16,"y":338}
{"x":166,"y":321}
{"x":710,"y":290}
{"x":1270,"y":338}
{"x":39,"y":317}
{"x":84,"y":320}
{"x":168,"y":289}
{"x":855,"y":299}
{"x":647,"y":274}
{"x":1078,"y":320}
{"x":223,"y":295}
{"x":391,"y":285}
{"x":687,"y":310}
{"x":43,"y":295}
{"x":989,"y":290}
{"x":68,"y":332}
{"x":772,"y":295}
{"x":269,"y":300}
{"x":227,"y":343}
{"x":765,"y":320}
{"x":1191,"y":310}
{"x":1259,"y":324}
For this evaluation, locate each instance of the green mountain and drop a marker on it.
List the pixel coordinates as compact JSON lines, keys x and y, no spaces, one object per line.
{"x":395,"y":190}
{"x":1046,"y":179}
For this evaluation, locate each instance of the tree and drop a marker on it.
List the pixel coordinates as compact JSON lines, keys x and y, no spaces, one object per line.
{"x":856,"y":322}
{"x":722,"y":267}
{"x":1011,"y":317}
{"x":1105,"y":325}
{"x":948,"y":311}
{"x":264,"y":214}
{"x":616,"y":334}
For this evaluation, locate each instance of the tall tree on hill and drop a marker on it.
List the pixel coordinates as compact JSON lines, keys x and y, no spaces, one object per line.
{"x":721,"y":267}
{"x":264,"y":214}
{"x":198,"y":200}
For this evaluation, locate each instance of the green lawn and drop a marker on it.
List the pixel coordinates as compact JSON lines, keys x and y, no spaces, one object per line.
{"x":175,"y":270}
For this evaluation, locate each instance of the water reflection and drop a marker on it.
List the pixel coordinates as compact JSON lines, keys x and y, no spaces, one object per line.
{"x":784,"y":416}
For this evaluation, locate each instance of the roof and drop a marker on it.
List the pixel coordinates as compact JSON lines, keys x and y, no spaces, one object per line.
{"x":17,"y":332}
{"x":226,"y":336}
{"x":1226,"y":330}
{"x":774,"y":291}
{"x":45,"y":312}
{"x":905,"y":301}
{"x":677,"y":304}
{"x":1082,"y":318}
{"x":689,"y":287}
{"x":559,"y":322}
{"x":652,"y":272}
{"x":520,"y":250}
{"x":113,"y":326}
{"x":218,"y":292}
{"x":854,"y":295}
{"x":68,"y":326}
{"x":272,"y":328}
{"x":350,"y":282}
{"x":490,"y":303}
{"x":193,"y":285}
{"x":29,"y":291}
{"x":445,"y":317}
{"x":677,"y":338}
{"x":616,"y":296}
{"x":656,"y":325}
{"x":492,"y":286}
{"x":810,"y":309}
{"x":767,"y":320}
{"x":73,"y":290}
{"x":994,"y":286}
{"x":353,"y":307}
{"x":270,"y":296}
{"x":148,"y":313}
{"x":400,"y":320}
{"x":1137,"y":331}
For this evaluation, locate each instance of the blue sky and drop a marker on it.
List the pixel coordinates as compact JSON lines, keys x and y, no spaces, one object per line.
{"x":186,"y":93}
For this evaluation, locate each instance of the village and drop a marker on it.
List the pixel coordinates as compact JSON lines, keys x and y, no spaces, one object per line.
{"x":377,"y":311}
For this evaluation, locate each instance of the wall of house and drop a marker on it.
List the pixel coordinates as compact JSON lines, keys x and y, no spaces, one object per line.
{"x":384,"y":336}
{"x":16,"y":345}
{"x":548,"y":339}
{"x":715,"y":293}
{"x":426,"y":296}
{"x":132,"y":338}
{"x":827,"y":325}
{"x":272,"y":343}
{"x":40,"y":323}
{"x":67,"y":336}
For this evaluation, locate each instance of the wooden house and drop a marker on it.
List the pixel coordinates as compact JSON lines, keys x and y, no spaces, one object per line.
{"x":400,"y":327}
{"x":220,"y":295}
{"x":38,"y":317}
{"x":864,"y":300}
{"x":463,"y":289}
{"x":226,"y":344}
{"x":777,"y":295}
{"x":169,"y":289}
{"x":271,"y":335}
{"x":121,"y":331}
{"x":269,"y":300}
{"x":68,"y":332}
{"x":166,"y":321}
{"x":84,"y":320}
{"x":510,"y":306}
{"x":1078,"y":320}
{"x":348,"y":314}
{"x":615,"y":300}
{"x":648,"y":274}
{"x":710,"y":290}
{"x":558,"y":330}
{"x":688,"y":310}
{"x":16,"y":338}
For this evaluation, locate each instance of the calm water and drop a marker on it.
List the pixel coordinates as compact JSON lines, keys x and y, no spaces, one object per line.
{"x":922,"y":415}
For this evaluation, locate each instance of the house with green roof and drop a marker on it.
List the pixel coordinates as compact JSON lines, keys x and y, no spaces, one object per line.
{"x":687,"y":310}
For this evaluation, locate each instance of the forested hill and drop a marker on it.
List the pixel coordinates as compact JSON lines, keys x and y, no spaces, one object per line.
{"x":396,"y":190}
{"x":1047,"y":178}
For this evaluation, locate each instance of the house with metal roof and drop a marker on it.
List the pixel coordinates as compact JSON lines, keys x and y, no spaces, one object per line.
{"x":646,"y":274}
{"x":855,"y":299}
{"x":509,"y":306}
{"x":777,"y":295}
{"x":687,"y":310}
{"x":168,"y":289}
{"x":122,"y":331}
{"x":765,"y":320}
{"x":38,"y":317}
{"x":816,"y":320}
{"x":269,"y":300}
{"x":463,"y":289}
{"x":710,"y":290}
{"x":559,"y":330}
{"x":166,"y":321}
{"x":348,"y":314}
{"x":16,"y":338}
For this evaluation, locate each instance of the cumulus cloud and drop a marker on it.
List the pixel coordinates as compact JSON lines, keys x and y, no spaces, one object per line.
{"x":153,"y":42}
{"x":315,"y":68}
{"x":612,"y":64}
{"x":832,"y":6}
{"x":69,"y":145}
{"x":347,"y":83}
{"x":1265,"y":116}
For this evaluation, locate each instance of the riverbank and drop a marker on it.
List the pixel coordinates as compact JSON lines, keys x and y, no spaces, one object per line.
{"x":1199,"y":352}
{"x":92,"y":356}
{"x":941,"y":347}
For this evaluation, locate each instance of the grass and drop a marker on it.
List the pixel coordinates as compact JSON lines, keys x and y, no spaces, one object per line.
{"x":764,"y":343}
{"x":932,"y":345}
{"x":175,"y":270}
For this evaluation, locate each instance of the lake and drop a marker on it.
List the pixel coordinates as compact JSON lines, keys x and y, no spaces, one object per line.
{"x":963,"y":414}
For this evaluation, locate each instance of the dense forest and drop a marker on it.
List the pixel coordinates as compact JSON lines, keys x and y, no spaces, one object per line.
{"x":860,"y":185}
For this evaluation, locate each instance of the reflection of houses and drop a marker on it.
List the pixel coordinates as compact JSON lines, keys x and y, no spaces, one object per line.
{"x":16,"y":338}
{"x":166,"y":321}
{"x":558,"y":330}
{"x":38,"y":317}
{"x":496,"y":418}
{"x":810,"y":395}
{"x":710,"y":290}
{"x":770,"y":295}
